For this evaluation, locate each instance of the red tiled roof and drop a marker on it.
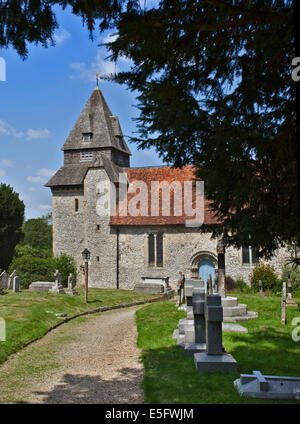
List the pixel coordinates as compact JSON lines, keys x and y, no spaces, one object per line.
{"x":160,"y":174}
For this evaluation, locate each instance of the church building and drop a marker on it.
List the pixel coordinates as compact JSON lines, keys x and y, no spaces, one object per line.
{"x":128,"y":248}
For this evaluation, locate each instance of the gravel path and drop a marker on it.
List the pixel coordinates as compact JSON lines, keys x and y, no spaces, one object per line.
{"x":95,"y":361}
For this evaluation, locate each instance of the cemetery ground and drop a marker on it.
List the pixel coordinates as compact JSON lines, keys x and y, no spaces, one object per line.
{"x":27,"y":318}
{"x":171,"y":377}
{"x":95,"y":359}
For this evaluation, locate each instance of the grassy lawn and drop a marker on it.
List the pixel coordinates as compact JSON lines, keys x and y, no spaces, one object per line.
{"x":26,"y":315}
{"x":170,"y":377}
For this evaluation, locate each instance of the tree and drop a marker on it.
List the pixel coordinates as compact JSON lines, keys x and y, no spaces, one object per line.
{"x":215,"y":91}
{"x":11,"y":220}
{"x":38,"y":234}
{"x":31,"y":268}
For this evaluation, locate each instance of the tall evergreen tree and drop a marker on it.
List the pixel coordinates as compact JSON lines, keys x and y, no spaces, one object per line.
{"x":215,"y":85}
{"x":11,"y":220}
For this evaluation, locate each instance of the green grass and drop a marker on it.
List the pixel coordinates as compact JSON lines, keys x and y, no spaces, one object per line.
{"x":26,"y":315}
{"x":170,"y":377}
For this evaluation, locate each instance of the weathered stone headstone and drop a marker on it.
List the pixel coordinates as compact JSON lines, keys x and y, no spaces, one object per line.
{"x":283,"y":304}
{"x":16,"y":284}
{"x":199,"y":324}
{"x":10,"y":279}
{"x":57,"y":288}
{"x":260,"y":285}
{"x":4,"y":280}
{"x":71,"y":285}
{"x":214,"y":359}
{"x":290,"y":303}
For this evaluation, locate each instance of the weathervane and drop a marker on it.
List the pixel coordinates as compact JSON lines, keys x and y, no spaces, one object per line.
{"x":97,"y":79}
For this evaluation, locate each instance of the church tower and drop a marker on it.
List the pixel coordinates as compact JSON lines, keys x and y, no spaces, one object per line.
{"x":94,"y":152}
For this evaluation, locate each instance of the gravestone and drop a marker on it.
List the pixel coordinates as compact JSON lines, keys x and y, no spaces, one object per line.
{"x":16,"y":284}
{"x":41,"y":286}
{"x":199,"y":324}
{"x":283,"y":304}
{"x":57,"y":288}
{"x":260,"y":285}
{"x":257,"y":385}
{"x":187,"y":324}
{"x":11,"y":279}
{"x":290,"y":303}
{"x":71,"y":285}
{"x":4,"y":280}
{"x":214,"y":359}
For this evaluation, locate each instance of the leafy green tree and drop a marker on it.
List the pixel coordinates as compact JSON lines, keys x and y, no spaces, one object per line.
{"x":215,"y":90}
{"x":26,"y":250}
{"x":31,"y":268}
{"x":265,"y":273}
{"x":11,"y":220}
{"x":38,"y":234}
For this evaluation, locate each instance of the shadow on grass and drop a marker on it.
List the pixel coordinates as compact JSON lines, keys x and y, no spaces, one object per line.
{"x":86,"y":389}
{"x":171,"y":377}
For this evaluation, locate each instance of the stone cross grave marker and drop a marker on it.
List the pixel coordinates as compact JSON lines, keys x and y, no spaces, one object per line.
{"x":290,"y":301}
{"x":214,"y":359}
{"x":57,"y":288}
{"x":199,"y":324}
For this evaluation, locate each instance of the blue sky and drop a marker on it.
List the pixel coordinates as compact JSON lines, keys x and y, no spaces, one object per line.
{"x":41,"y":100}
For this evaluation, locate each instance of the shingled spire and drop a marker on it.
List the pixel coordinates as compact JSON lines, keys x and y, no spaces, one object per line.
{"x":95,"y":140}
{"x":96,"y":127}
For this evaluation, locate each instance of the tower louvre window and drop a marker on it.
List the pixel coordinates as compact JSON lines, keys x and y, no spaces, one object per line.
{"x":76,"y":205}
{"x":86,"y":137}
{"x":86,"y":156}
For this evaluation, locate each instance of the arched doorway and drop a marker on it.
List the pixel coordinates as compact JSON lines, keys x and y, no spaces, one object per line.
{"x":202,"y":264}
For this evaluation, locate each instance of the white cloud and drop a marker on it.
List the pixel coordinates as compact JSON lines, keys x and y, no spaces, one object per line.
{"x":45,"y":207}
{"x":7,"y":163}
{"x":61,"y":36}
{"x":32,"y":179}
{"x":6,"y":129}
{"x":31,"y":134}
{"x":32,"y":189}
{"x":37,"y":134}
{"x":2,"y":172}
{"x":97,"y":65}
{"x":42,"y":175}
{"x":45,"y":172}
